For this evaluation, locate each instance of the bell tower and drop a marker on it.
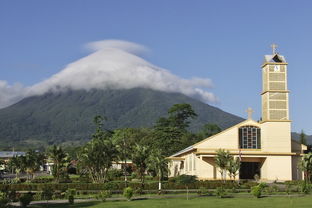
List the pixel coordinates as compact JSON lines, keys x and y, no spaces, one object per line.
{"x":274,"y":88}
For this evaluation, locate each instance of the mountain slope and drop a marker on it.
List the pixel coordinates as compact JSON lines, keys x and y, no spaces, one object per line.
{"x":68,"y":116}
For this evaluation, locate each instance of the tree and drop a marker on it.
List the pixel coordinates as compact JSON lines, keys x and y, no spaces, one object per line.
{"x":306,"y":166}
{"x":159,"y":164}
{"x":16,"y":165}
{"x":209,"y":130}
{"x":233,"y":165}
{"x":32,"y":161}
{"x":123,"y":146}
{"x":186,"y":180}
{"x":60,"y":162}
{"x":222,"y":158}
{"x":179,"y":115}
{"x":139,"y":158}
{"x":303,"y":138}
{"x":96,"y":156}
{"x":169,"y":131}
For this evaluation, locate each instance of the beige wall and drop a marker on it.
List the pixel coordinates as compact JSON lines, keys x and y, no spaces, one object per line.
{"x":227,"y":139}
{"x":277,"y":168}
{"x":276,"y":137}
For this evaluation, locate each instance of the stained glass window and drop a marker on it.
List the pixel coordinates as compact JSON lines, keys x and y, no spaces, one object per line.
{"x":249,"y":137}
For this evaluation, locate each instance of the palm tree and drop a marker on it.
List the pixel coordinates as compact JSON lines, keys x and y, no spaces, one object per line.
{"x":159,"y":164}
{"x":60,"y":161}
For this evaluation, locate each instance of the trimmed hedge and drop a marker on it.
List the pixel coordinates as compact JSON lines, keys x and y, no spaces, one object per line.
{"x":113,"y":185}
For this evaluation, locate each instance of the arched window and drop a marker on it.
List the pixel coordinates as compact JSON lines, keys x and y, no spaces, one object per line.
{"x":249,"y":137}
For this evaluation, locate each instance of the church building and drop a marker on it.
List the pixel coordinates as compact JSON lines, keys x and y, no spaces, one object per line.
{"x":264,"y":147}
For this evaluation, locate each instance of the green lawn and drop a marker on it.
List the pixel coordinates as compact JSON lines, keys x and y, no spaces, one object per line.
{"x":209,"y":202}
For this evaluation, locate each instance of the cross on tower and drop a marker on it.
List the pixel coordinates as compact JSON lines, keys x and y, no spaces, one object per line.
{"x":249,"y":111}
{"x":274,"y":46}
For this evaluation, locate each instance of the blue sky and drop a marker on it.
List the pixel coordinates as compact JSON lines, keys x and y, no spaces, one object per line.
{"x":224,"y":41}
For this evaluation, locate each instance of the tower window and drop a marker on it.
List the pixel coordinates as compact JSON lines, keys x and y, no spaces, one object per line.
{"x":249,"y":137}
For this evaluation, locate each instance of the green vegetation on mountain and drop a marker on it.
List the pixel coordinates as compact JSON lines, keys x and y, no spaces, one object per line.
{"x":67,"y":118}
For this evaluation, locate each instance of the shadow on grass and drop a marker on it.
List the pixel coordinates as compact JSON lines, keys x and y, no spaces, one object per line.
{"x":59,"y":205}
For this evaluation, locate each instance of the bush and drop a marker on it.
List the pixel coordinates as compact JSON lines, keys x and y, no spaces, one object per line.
{"x":46,"y":194}
{"x":4,"y":200}
{"x":256,"y":191}
{"x":203,"y":191}
{"x":103,"y":195}
{"x":37,"y":196}
{"x":220,"y":192}
{"x":305,"y":187}
{"x":128,"y":193}
{"x":70,"y":193}
{"x":25,"y":199}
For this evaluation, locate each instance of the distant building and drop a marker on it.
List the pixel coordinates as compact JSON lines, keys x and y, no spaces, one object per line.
{"x":9,"y":154}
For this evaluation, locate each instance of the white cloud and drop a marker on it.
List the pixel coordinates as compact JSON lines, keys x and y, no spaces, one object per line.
{"x":114,"y":65}
{"x":10,"y":94}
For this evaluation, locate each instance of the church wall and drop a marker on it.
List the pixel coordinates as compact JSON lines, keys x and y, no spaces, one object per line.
{"x":276,"y":137}
{"x":205,"y":168}
{"x":277,"y":168}
{"x":297,"y":174}
{"x":226,"y":140}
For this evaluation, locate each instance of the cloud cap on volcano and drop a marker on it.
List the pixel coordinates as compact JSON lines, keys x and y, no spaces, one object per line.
{"x":114,"y":64}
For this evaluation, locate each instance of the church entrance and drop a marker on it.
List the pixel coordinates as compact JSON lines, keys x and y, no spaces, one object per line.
{"x":248,"y":170}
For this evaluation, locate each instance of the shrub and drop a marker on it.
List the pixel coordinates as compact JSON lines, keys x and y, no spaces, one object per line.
{"x":256,"y":191}
{"x":25,"y":199}
{"x":37,"y":196}
{"x":70,"y":193}
{"x":103,"y":195}
{"x":128,"y":193}
{"x":220,"y":192}
{"x":203,"y":191}
{"x":4,"y":200}
{"x":305,"y":187}
{"x":46,"y":193}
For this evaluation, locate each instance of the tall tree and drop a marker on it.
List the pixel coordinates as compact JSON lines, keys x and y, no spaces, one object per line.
{"x":306,"y":166}
{"x":303,"y":138}
{"x":33,"y":160}
{"x":60,"y":162}
{"x":139,"y":158}
{"x":170,"y":131}
{"x":209,"y":130}
{"x":123,"y":141}
{"x":96,"y":156}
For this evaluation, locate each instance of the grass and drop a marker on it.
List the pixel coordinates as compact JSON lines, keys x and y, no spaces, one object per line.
{"x":202,"y":202}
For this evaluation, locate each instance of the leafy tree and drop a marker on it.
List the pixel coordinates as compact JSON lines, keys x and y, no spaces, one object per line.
{"x":232,"y":167}
{"x":179,"y":115}
{"x":306,"y":166}
{"x":222,"y":158}
{"x":139,"y":158}
{"x":209,"y":130}
{"x":60,"y":162}
{"x":32,"y":162}
{"x":303,"y":138}
{"x":159,"y":164}
{"x":186,"y":180}
{"x":97,"y":155}
{"x":123,"y":147}
{"x":169,"y":131}
{"x":16,"y":165}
